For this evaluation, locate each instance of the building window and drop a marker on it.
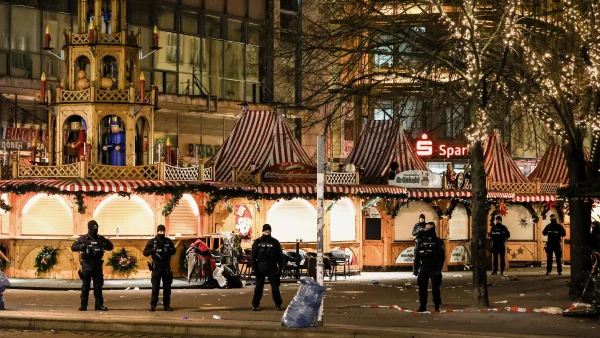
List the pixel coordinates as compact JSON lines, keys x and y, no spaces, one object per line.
{"x":384,"y":110}
{"x":212,"y":26}
{"x":455,"y":123}
{"x":383,"y":57}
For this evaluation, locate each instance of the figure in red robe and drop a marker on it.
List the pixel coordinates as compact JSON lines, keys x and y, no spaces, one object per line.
{"x":206,"y":259}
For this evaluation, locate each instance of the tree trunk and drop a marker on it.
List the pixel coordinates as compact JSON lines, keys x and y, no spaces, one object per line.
{"x":581,"y":216}
{"x":480,"y":225}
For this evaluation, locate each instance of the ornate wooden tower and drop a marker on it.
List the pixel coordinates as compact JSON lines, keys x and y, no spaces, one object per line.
{"x":102,"y":110}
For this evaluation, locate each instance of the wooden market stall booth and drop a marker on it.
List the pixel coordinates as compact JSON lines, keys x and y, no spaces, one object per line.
{"x":101,"y":122}
{"x":550,"y":174}
{"x":263,"y":152}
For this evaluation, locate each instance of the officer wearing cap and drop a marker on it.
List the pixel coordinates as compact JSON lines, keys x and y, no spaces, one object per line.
{"x":499,"y":234}
{"x":555,"y":233}
{"x":91,"y":247}
{"x":266,"y":261}
{"x":430,"y":254}
{"x":161,"y":249}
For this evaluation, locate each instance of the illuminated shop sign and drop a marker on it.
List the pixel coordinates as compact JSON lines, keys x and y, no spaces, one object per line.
{"x":426,"y":148}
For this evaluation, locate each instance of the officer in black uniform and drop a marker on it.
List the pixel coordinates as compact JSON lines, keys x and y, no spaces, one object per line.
{"x":91,"y":247}
{"x":161,"y":249}
{"x":431,"y":255}
{"x":499,"y":234}
{"x":417,"y":232}
{"x":266,"y":261}
{"x":555,"y":233}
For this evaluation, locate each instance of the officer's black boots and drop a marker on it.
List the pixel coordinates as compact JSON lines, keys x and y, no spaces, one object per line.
{"x":152,"y":308}
{"x":168,"y":308}
{"x":83,"y":308}
{"x":437,"y":307}
{"x":256,"y":308}
{"x":278,"y":307}
{"x":101,"y":308}
{"x":422,"y":308}
{"x":494,"y":273}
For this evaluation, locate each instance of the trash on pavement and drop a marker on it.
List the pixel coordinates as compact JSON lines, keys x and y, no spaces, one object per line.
{"x":216,"y":317}
{"x":501,"y":302}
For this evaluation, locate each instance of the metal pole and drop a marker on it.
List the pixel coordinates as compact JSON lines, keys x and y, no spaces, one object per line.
{"x":320,"y":193}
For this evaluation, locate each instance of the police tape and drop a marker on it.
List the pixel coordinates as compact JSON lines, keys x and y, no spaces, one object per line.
{"x":546,"y":310}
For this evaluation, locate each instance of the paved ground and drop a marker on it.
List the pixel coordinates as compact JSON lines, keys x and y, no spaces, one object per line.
{"x":527,"y":288}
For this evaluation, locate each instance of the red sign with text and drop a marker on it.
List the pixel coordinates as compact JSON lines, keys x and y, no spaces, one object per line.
{"x":425,"y":148}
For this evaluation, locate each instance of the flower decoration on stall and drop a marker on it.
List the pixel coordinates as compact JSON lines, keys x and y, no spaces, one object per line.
{"x":257,"y":206}
{"x":122,"y":262}
{"x":46,"y":260}
{"x":396,"y":209}
{"x":3,"y":262}
{"x":502,"y":208}
{"x":226,"y":204}
{"x":548,"y":206}
{"x":173,"y":202}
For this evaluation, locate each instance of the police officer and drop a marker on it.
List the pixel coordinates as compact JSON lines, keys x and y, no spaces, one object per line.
{"x":266,"y":260}
{"x":499,"y":234}
{"x":555,"y":233}
{"x":417,"y":232}
{"x":161,"y":249}
{"x":431,"y":254}
{"x":92,"y":247}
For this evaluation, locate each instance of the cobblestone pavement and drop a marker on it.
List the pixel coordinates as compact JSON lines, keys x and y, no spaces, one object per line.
{"x":45,"y":334}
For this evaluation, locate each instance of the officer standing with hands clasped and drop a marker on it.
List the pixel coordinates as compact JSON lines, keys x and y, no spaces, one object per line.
{"x":92,"y":247}
{"x":499,"y":234}
{"x":418,"y":233}
{"x":161,"y":249}
{"x":555,"y":233}
{"x":266,"y":261}
{"x":430,"y":254}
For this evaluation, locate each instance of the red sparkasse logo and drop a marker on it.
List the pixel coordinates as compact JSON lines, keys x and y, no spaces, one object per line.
{"x":424,"y":146}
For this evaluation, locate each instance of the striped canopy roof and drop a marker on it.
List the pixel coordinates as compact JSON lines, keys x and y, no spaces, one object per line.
{"x":499,"y":165}
{"x":553,"y":166}
{"x":381,"y":143}
{"x":262,"y":137}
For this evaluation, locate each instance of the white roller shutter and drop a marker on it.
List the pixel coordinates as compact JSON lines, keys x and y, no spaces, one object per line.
{"x":132,"y":216}
{"x":47,"y":215}
{"x":342,"y":221}
{"x":4,"y":217}
{"x":184,"y":218}
{"x":294,"y":219}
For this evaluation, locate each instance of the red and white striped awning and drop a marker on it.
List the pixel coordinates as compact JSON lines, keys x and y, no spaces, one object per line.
{"x":437,"y":193}
{"x":381,"y":143}
{"x":262,"y":137}
{"x":311,"y":189}
{"x":534,"y":198}
{"x":114,"y":186}
{"x":499,"y":165}
{"x":500,"y":194}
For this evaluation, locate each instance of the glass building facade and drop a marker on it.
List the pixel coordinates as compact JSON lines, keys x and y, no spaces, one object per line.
{"x":209,"y":47}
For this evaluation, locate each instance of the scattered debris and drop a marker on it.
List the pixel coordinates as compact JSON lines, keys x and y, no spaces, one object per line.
{"x":501,"y":302}
{"x":375,"y":282}
{"x":137,"y":289}
{"x":522,"y":295}
{"x":216,"y":317}
{"x":185,"y":317}
{"x":457,"y":276}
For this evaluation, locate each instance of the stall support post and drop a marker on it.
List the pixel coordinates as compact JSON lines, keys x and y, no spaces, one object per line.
{"x":298,"y":260}
{"x":320,"y":197}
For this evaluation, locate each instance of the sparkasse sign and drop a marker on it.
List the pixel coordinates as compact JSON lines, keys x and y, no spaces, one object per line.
{"x":426,"y":148}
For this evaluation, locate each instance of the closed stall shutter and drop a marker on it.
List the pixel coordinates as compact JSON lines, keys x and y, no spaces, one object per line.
{"x":47,"y":215}
{"x":184,"y":218}
{"x":4,"y":217}
{"x":458,"y":225}
{"x":132,"y":216}
{"x":294,"y":219}
{"x":342,"y":219}
{"x":520,"y":224}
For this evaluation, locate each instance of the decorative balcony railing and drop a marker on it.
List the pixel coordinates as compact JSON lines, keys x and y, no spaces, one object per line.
{"x":121,"y":38}
{"x":93,"y":94}
{"x":342,"y":178}
{"x":93,"y":171}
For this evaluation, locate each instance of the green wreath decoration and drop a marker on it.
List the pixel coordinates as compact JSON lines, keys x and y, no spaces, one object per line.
{"x":122,"y":262}
{"x":46,"y":259}
{"x":3,"y":262}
